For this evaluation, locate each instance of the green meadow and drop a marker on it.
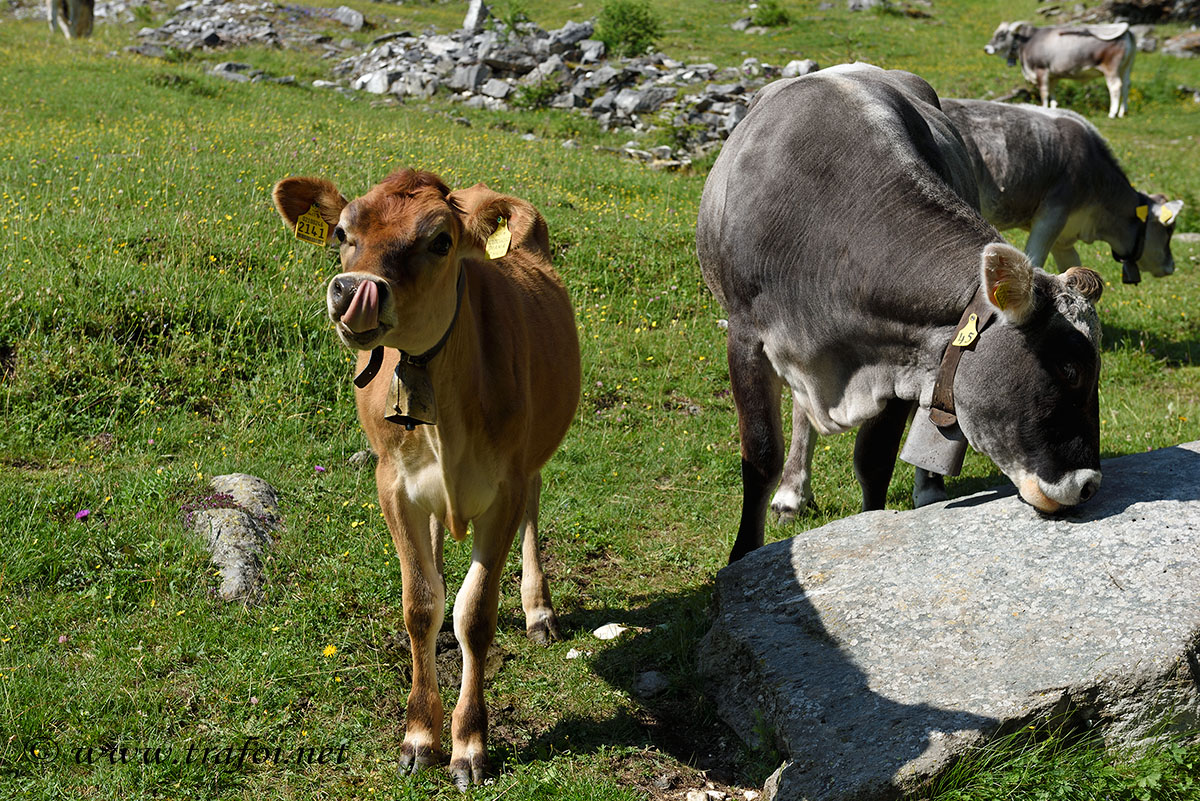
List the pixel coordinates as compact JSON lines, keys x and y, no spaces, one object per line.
{"x":159,"y":326}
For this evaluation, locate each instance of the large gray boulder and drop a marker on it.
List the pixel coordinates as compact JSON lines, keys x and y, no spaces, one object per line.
{"x":876,"y":649}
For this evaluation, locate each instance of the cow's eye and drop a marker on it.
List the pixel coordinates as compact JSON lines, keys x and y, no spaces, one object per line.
{"x":1071,"y":375}
{"x":339,"y":233}
{"x":441,"y":244}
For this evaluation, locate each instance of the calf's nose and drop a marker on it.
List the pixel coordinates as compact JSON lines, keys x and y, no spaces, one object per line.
{"x":341,"y":291}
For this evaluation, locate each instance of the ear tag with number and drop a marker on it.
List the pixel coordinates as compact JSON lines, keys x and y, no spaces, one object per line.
{"x":968,"y":333}
{"x":498,"y":242}
{"x":1142,"y":212}
{"x":311,"y":227}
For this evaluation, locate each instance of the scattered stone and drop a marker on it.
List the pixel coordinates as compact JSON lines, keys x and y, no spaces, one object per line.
{"x":477,"y":15}
{"x":1185,"y":45}
{"x":574,"y":654}
{"x":571,"y":144}
{"x":237,"y":523}
{"x":496,"y":88}
{"x":352,"y":19}
{"x":650,"y":684}
{"x":875,"y":650}
{"x":609,"y":631}
{"x":363,"y":458}
{"x":798,"y":67}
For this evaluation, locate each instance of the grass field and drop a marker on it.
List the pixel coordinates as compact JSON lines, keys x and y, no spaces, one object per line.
{"x":160,"y":327}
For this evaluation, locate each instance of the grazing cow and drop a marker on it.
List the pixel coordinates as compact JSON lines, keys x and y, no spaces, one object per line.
{"x":74,"y":17}
{"x":1047,"y":54}
{"x":456,"y":295}
{"x":1050,"y":172}
{"x":833,"y":229}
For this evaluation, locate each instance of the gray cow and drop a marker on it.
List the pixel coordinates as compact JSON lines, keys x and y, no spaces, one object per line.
{"x":1050,"y":172}
{"x":1083,"y":51}
{"x":840,"y":244}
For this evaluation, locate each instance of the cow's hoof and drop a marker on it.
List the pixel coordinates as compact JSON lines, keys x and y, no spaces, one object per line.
{"x":413,"y":757}
{"x":787,"y":504}
{"x":466,"y":772}
{"x":544,"y":630}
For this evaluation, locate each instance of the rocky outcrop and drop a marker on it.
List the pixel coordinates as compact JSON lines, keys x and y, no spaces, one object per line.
{"x":237,"y":522}
{"x":873,"y":651}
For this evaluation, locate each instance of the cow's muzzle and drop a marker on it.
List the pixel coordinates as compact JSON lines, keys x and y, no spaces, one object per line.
{"x":355,"y":301}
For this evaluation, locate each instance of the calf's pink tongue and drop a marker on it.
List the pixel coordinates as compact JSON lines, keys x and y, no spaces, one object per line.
{"x":363,"y":312}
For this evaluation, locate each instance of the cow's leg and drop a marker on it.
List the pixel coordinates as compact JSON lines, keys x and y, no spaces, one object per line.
{"x":1115,"y":105}
{"x":1044,"y":230}
{"x":875,"y":450}
{"x":756,"y":393}
{"x":541,"y":624}
{"x":475,"y":626}
{"x":1125,"y":85}
{"x":417,"y":538}
{"x":795,"y":488}
{"x":1065,"y":257}
{"x":928,"y":487}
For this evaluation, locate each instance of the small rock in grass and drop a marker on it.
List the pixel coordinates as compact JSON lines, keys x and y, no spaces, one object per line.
{"x":609,"y":631}
{"x":650,"y":684}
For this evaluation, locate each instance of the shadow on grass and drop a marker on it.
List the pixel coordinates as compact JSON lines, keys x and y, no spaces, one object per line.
{"x":831,"y":699}
{"x":1173,"y":353}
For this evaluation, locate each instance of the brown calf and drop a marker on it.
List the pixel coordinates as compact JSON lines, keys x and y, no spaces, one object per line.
{"x":496,"y":368}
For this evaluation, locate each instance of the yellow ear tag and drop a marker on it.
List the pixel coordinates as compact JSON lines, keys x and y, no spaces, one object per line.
{"x":1142,"y":212}
{"x":311,"y":227}
{"x":498,"y":242}
{"x":968,"y":333}
{"x":1165,"y":215}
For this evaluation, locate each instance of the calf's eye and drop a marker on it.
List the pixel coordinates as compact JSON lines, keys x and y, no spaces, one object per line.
{"x":440,"y":245}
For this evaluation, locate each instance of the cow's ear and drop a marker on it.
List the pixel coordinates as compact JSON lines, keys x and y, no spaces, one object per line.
{"x":1007,"y":278}
{"x":1023,"y":29}
{"x":1167,"y":212}
{"x":295,"y":196}
{"x":502,"y":222}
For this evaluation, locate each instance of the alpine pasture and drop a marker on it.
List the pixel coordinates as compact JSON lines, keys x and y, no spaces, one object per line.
{"x":161,"y":327}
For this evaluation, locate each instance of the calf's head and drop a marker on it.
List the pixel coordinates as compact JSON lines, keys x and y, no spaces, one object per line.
{"x":1028,"y":394}
{"x":402,"y":245}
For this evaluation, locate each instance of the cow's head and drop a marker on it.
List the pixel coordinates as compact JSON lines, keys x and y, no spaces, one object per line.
{"x":1028,"y":395}
{"x":1007,"y":38}
{"x":402,"y":245}
{"x":1159,"y":222}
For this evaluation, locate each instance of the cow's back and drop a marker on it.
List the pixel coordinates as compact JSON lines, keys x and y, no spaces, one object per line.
{"x":1023,"y":154}
{"x":831,"y":192}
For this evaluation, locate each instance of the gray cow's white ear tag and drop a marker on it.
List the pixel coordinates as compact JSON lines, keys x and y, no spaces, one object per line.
{"x":938,"y":450}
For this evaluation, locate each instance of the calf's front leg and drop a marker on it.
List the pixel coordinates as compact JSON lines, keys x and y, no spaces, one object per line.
{"x":417,"y":538}
{"x":475,"y":609}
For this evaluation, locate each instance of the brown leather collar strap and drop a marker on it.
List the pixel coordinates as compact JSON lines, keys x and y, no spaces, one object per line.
{"x":974,"y":319}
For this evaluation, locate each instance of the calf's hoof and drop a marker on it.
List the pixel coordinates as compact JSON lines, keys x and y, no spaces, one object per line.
{"x":543,"y":629}
{"x":466,"y":772}
{"x":414,"y":757}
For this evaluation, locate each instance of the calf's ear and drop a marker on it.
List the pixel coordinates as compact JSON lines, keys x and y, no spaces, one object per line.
{"x":295,"y":196}
{"x":1007,"y":279}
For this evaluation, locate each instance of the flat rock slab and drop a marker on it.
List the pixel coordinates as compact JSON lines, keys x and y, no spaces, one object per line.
{"x":874,"y":650}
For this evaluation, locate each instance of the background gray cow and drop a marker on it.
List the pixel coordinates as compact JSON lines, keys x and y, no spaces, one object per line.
{"x":842,"y":248}
{"x":1047,"y":54}
{"x":1050,"y":172}
{"x":74,"y":17}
